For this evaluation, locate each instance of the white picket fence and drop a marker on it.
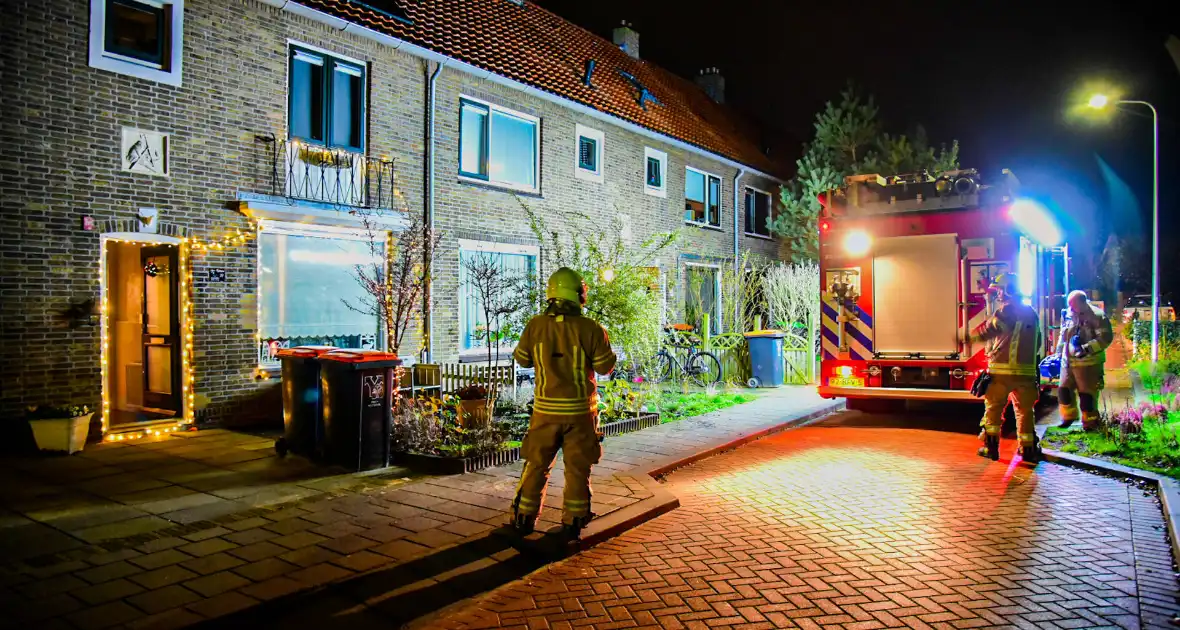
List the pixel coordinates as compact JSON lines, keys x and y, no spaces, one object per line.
{"x":446,"y":378}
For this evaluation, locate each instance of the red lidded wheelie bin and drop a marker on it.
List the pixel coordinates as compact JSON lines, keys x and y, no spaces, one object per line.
{"x":302,"y":419}
{"x":358,"y":388}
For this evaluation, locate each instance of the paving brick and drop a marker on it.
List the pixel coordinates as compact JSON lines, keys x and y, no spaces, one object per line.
{"x":257,"y":551}
{"x":274,"y":587}
{"x":162,"y":599}
{"x":222,"y":604}
{"x":320,"y":574}
{"x":362,"y":561}
{"x":265,"y":569}
{"x":107,"y":591}
{"x":160,"y":559}
{"x":216,"y":583}
{"x":163,"y":576}
{"x":298,"y":540}
{"x":104,"y":616}
{"x":109,"y":571}
{"x":167,"y":620}
{"x":206,"y":547}
{"x":212,"y":563}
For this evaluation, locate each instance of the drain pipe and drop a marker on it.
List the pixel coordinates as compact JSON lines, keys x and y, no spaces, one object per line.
{"x":737,"y":306}
{"x":427,"y":254}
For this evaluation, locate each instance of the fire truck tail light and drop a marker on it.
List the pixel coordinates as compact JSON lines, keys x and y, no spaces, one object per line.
{"x":824,"y":226}
{"x":857,"y":243}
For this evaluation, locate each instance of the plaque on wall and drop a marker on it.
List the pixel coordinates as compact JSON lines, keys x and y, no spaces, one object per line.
{"x":144,"y":151}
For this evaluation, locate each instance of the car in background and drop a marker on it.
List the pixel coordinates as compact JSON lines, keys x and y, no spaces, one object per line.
{"x":1141,"y":305}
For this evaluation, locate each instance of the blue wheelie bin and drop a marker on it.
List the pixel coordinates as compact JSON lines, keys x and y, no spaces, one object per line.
{"x":303,"y":420}
{"x":766,"y":358}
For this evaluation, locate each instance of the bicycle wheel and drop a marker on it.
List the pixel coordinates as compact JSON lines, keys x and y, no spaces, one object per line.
{"x":663,"y":369}
{"x":704,"y":368}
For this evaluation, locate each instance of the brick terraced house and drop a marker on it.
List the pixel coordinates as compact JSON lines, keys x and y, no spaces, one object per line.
{"x":182,"y":177}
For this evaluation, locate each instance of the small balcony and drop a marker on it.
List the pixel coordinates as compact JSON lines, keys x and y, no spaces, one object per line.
{"x":299,"y":171}
{"x":297,"y":181}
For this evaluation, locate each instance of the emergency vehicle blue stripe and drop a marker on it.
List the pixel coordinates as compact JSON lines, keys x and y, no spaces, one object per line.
{"x":859,"y":337}
{"x":831,"y":336}
{"x":857,"y":356}
{"x":864,"y":317}
{"x":828,"y":311}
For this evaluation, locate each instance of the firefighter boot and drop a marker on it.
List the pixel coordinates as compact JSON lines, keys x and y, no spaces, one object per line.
{"x":522,"y":523}
{"x":991,"y":447}
{"x":573,"y":529}
{"x":1031,"y":452}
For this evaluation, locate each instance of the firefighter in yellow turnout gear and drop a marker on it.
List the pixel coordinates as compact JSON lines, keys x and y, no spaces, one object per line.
{"x":1082,"y":347}
{"x":1013,"y":338}
{"x":567,"y":350}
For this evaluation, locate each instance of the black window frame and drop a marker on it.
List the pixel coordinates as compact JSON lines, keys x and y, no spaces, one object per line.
{"x":163,"y":55}
{"x":751,"y":212}
{"x":327,"y":101}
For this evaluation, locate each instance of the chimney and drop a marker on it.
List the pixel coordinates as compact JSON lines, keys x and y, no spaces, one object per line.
{"x":713,"y":83}
{"x":627,"y":39}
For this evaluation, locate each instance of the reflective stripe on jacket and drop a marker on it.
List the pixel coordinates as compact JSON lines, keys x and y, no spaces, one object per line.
{"x":1095,"y":333}
{"x":1013,"y":337}
{"x":567,"y":351}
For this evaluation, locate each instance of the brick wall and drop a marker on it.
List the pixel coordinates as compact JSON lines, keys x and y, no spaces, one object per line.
{"x":62,"y":126}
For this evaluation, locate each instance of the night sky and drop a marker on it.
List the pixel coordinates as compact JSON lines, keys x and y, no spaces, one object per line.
{"x":999,"y":77}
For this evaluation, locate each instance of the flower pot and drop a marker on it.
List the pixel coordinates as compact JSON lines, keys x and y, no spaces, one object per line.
{"x":473,"y":413}
{"x":61,"y":434}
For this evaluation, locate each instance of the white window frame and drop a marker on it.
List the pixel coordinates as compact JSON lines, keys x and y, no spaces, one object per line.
{"x":120,"y":64}
{"x":769,"y":214}
{"x":599,"y":139}
{"x":492,"y":107}
{"x":487,"y":247}
{"x":271,"y":226}
{"x":660,"y":191}
{"x":720,"y":198}
{"x":716,"y":316}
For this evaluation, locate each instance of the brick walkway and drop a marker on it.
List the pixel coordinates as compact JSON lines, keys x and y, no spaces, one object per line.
{"x":178,"y":530}
{"x":864,"y":528}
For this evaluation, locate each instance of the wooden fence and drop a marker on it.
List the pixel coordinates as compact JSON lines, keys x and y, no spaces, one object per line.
{"x":447,"y":378}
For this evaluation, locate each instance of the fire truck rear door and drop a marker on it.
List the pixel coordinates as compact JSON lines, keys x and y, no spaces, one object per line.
{"x":915,"y":295}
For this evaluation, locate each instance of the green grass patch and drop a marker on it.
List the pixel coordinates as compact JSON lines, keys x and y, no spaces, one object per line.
{"x":1156,"y":449}
{"x":673,"y":406}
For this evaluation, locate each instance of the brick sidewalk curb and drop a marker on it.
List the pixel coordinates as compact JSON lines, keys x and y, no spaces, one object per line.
{"x":1168,"y":488}
{"x":663,"y":501}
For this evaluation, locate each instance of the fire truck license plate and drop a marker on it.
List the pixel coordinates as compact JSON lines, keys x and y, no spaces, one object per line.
{"x":846,"y":381}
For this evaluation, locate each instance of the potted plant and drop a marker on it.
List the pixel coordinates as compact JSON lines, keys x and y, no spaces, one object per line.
{"x":60,"y":428}
{"x":474,"y":405}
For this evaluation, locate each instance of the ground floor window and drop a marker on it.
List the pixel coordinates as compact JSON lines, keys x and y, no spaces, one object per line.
{"x":516,"y":267}
{"x":308,"y":289}
{"x":702,"y":293}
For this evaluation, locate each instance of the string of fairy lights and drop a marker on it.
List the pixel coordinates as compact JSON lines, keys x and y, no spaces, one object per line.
{"x":189,"y":247}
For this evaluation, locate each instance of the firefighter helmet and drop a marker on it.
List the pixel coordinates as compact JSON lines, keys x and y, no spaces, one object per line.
{"x":566,"y":284}
{"x":1006,"y":282}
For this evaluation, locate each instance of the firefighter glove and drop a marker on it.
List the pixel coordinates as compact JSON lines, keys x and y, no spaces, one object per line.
{"x":1076,"y":348}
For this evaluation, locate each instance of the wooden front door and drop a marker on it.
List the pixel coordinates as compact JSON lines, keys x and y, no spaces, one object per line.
{"x":161,"y":331}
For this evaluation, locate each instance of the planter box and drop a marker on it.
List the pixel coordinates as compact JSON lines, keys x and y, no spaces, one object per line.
{"x":628,"y":425}
{"x":61,"y":434}
{"x":439,"y":465}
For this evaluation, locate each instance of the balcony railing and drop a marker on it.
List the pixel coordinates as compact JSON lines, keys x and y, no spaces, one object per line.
{"x":298,"y":170}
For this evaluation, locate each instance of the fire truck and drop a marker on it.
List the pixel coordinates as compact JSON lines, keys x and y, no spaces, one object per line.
{"x":906,"y":263}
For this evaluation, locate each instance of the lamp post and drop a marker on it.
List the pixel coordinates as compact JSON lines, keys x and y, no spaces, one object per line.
{"x":1099,"y":101}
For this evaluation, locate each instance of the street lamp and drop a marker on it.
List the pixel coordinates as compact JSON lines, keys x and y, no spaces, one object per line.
{"x":1099,"y":101}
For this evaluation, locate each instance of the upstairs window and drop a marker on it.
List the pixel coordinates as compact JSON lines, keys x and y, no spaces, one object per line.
{"x":140,"y":38}
{"x":757,"y":213}
{"x":702,"y":198}
{"x":655,"y":174}
{"x":327,"y":100}
{"x":589,"y":154}
{"x":499,"y":146}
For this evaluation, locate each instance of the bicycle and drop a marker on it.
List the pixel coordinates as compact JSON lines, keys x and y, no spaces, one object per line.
{"x":701,"y":366}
